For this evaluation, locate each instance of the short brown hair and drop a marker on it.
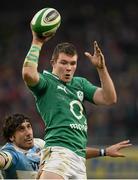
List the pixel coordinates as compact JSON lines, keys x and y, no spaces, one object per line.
{"x":65,"y":47}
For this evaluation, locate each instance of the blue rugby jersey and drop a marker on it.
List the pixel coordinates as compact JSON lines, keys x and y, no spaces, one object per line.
{"x":23,"y":164}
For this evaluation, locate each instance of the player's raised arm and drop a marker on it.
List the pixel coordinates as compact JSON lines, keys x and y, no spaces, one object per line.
{"x":105,"y":94}
{"x":112,"y":151}
{"x":44,"y":25}
{"x":29,"y":71}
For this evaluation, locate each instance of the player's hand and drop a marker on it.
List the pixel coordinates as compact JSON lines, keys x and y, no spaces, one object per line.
{"x":113,"y":151}
{"x":97,"y":59}
{"x":42,"y":39}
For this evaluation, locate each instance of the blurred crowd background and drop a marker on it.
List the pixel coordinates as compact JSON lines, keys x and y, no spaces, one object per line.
{"x":112,"y":23}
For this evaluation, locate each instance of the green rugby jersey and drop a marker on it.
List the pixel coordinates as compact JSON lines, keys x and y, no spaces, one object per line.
{"x":61,"y":107}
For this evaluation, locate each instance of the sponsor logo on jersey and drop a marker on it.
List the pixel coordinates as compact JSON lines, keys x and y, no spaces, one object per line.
{"x":79,"y":127}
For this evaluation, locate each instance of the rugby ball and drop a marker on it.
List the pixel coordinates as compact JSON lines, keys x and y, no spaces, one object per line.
{"x":46,"y":21}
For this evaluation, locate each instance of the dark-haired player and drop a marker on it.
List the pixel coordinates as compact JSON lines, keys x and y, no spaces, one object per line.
{"x":20,"y":156}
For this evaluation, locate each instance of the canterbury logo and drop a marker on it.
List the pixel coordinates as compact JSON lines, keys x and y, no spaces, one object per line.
{"x":51,"y":16}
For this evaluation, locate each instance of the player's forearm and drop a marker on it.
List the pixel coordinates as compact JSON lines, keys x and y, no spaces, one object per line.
{"x":94,"y":152}
{"x":29,"y":72}
{"x":37,"y":41}
{"x":108,"y":89}
{"x":91,"y":152}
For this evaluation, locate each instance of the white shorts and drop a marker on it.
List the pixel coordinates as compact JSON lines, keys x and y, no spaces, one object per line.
{"x":63,"y":162}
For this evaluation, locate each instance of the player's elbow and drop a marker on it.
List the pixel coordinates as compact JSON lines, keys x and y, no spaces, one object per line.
{"x":112,"y":100}
{"x":30,"y":77}
{"x":26,"y":74}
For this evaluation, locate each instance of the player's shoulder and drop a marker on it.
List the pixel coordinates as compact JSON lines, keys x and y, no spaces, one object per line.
{"x":49,"y":75}
{"x":11,"y":150}
{"x":8,"y":146}
{"x":40,"y":143}
{"x":79,"y":80}
{"x":45,"y":72}
{"x":8,"y":151}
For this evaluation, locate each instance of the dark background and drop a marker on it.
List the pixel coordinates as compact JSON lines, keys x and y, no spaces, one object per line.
{"x":112,"y":23}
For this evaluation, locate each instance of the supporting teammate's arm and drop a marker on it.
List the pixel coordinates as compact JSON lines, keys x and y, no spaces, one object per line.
{"x":105,"y":94}
{"x":112,"y":151}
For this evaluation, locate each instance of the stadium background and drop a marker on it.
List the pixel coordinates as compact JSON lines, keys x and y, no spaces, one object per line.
{"x":114,"y":25}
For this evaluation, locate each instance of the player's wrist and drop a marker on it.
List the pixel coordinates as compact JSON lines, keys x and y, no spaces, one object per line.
{"x":36,"y":46}
{"x":102,"y":152}
{"x":102,"y":68}
{"x":33,"y":54}
{"x":37,"y":43}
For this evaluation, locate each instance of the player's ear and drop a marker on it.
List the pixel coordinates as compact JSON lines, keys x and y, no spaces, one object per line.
{"x":52,"y":62}
{"x":11,"y":138}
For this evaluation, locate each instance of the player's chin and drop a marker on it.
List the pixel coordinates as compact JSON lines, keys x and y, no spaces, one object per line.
{"x":67,"y":79}
{"x":29,"y":145}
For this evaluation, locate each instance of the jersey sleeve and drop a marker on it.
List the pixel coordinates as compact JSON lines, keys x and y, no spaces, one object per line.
{"x":8,"y":159}
{"x":89,"y":90}
{"x":40,"y":87}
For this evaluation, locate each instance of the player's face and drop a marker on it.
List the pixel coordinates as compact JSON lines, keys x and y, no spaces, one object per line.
{"x":23,"y":136}
{"x":65,"y":66}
